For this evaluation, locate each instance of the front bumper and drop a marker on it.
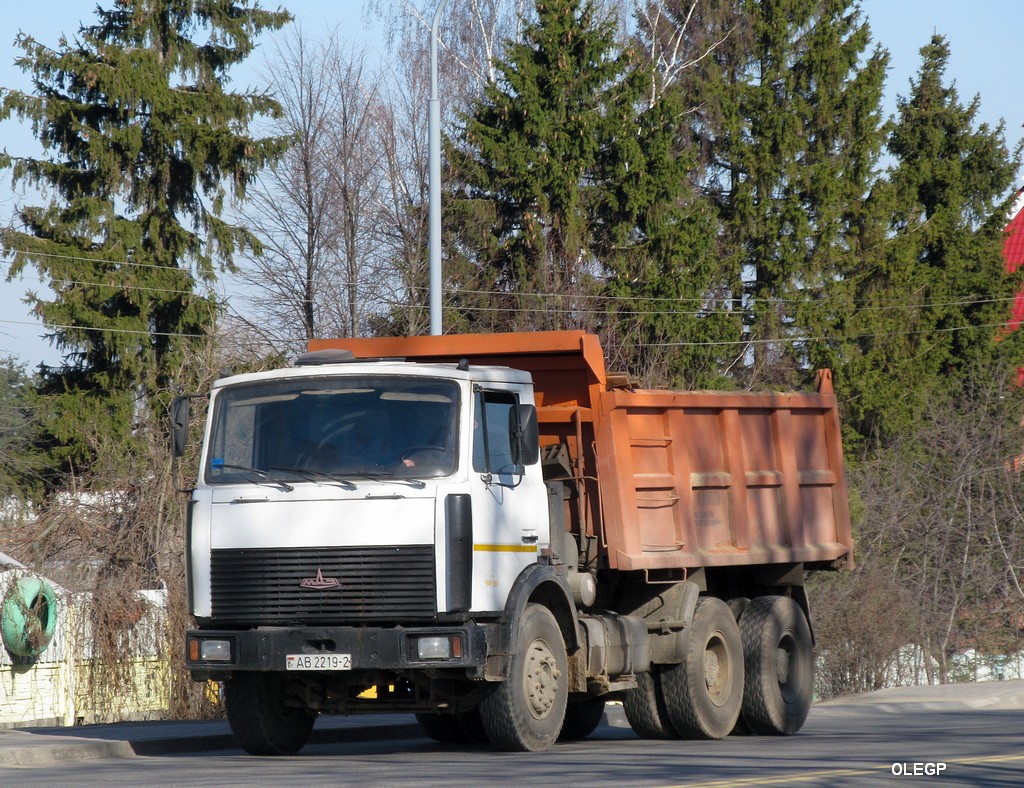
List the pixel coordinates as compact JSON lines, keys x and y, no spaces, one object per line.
{"x":370,"y":648}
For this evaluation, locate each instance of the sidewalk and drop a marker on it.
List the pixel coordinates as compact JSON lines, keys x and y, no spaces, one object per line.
{"x":40,"y":746}
{"x":997,"y":695}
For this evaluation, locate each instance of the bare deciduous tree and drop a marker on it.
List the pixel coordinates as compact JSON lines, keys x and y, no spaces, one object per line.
{"x":941,"y":542}
{"x":674,"y":41}
{"x":356,"y":179}
{"x":471,"y":36}
{"x":315,"y":211}
{"x":402,"y":227}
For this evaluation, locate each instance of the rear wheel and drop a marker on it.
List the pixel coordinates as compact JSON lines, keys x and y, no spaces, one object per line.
{"x":645,"y":707}
{"x":443,"y":728}
{"x":525,"y":711}
{"x":472,"y":726}
{"x":737,"y":606}
{"x":704,"y":693}
{"x":779,"y":664}
{"x":582,"y":719}
{"x":260,"y":718}
{"x":447,"y":728}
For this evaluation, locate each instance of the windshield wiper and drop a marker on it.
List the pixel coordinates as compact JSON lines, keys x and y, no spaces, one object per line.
{"x":386,"y":477}
{"x":262,"y":477}
{"x":312,"y":475}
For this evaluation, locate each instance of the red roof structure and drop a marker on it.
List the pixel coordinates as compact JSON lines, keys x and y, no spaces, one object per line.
{"x":1013,"y":246}
{"x":1013,"y":258}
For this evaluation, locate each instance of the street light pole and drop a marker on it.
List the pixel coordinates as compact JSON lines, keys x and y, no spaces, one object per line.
{"x":434,"y":184}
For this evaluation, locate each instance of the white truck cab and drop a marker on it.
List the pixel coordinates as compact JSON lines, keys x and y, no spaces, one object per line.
{"x":347,"y":469}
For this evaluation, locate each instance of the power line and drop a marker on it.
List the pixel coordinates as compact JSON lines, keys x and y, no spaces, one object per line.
{"x":703,"y":312}
{"x":567,"y":310}
{"x":59,"y":327}
{"x":714,"y":343}
{"x":74,"y":258}
{"x":858,"y":303}
{"x":748,"y":301}
{"x":797,"y":340}
{"x":545,"y":310}
{"x":114,"y":286}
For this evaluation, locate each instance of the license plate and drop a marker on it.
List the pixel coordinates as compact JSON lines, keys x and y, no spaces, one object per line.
{"x":318,"y":661}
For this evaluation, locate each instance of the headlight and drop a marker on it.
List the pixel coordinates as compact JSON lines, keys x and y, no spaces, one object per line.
{"x":438,"y":646}
{"x":202,"y":650}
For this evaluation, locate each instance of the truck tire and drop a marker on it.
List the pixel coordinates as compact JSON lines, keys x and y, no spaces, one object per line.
{"x":582,"y":719}
{"x":472,"y":726}
{"x":778,"y":658}
{"x":524,"y":713}
{"x":259,"y":718}
{"x":443,"y":728}
{"x":461,"y":728}
{"x":738,"y":605}
{"x":704,"y":693}
{"x":645,"y":707}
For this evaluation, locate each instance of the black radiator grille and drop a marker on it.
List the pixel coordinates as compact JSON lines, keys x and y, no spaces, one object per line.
{"x":297,"y":585}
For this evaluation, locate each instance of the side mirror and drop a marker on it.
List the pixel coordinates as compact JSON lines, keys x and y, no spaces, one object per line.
{"x":179,"y":425}
{"x":525,"y":434}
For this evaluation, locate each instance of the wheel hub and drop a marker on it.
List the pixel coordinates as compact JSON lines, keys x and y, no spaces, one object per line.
{"x":541,"y":679}
{"x":782,"y":665}
{"x":716,"y":669}
{"x":711,"y":668}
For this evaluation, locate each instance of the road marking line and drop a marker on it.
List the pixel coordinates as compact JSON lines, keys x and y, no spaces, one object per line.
{"x":988,"y":759}
{"x":805,"y":776}
{"x":789,"y":778}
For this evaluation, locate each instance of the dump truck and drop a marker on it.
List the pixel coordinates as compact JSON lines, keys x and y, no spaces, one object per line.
{"x":497,"y":535}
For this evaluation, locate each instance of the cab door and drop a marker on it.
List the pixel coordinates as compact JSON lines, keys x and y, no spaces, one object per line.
{"x":509,"y":500}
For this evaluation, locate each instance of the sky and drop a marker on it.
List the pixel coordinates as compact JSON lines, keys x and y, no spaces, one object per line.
{"x":983,"y":36}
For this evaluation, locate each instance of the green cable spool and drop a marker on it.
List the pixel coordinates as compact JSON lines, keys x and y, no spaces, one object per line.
{"x":29,"y":617}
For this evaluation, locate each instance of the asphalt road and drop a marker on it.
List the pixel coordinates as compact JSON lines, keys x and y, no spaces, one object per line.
{"x":958,"y":736}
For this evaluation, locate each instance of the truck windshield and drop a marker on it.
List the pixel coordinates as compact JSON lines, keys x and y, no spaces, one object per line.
{"x":340,"y":428}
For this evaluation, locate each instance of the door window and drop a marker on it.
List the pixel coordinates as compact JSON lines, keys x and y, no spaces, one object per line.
{"x":492,"y":434}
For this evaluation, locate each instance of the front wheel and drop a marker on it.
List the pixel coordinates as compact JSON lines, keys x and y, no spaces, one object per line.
{"x":524,"y":713}
{"x":779,"y":660}
{"x":260,"y":717}
{"x":704,"y":693}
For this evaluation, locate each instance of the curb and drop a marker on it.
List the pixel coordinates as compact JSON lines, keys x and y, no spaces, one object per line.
{"x":43,"y":753}
{"x":43,"y":749}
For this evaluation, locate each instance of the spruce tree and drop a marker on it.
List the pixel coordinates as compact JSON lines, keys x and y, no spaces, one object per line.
{"x":666,"y":311}
{"x":22,"y":464}
{"x":787,"y":129}
{"x":531,"y":169}
{"x":934,"y":292}
{"x":572,"y":207}
{"x":142,"y":145}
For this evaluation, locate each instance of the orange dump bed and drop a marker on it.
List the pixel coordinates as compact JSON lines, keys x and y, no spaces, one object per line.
{"x":672,"y":480}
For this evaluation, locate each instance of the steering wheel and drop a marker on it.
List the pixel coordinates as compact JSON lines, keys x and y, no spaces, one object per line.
{"x":333,"y":431}
{"x":412,"y":451}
